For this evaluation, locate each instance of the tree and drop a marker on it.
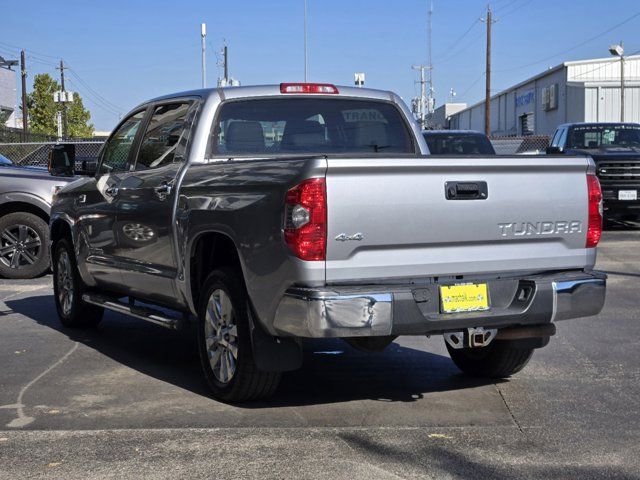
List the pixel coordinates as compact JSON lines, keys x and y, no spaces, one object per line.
{"x":43,"y":110}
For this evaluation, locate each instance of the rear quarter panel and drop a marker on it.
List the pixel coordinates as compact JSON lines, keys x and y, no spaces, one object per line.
{"x":244,"y":200}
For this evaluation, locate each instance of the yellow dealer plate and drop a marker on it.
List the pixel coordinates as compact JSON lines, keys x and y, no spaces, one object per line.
{"x":470,"y":297}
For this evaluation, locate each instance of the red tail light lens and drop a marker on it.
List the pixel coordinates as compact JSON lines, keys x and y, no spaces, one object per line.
{"x":308,"y":88}
{"x":305,"y":231}
{"x":594,"y":229}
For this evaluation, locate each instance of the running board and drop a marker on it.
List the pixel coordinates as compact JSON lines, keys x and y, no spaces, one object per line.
{"x":143,"y":313}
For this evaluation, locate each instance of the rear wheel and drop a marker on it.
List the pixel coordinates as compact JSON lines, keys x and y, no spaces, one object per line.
{"x":224,"y":342}
{"x":499,"y":359}
{"x":68,"y":289}
{"x":24,"y":238}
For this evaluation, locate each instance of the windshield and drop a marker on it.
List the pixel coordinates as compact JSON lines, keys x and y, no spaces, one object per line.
{"x":310,"y":125}
{"x":458,"y":144}
{"x":602,"y":136}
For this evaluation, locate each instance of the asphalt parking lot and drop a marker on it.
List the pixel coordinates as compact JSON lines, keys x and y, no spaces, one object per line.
{"x":127,"y":400}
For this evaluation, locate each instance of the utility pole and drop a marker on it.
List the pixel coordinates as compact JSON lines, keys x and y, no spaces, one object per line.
{"x":25,"y":114}
{"x":63,"y":99}
{"x":203,"y":36}
{"x":621,"y":82}
{"x":305,"y":42}
{"x":421,"y":106}
{"x":430,"y":100}
{"x":487,"y":94}
{"x":225,"y":54}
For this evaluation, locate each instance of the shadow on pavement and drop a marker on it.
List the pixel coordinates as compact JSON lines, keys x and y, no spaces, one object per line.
{"x":457,"y":461}
{"x":333,"y":371}
{"x":615,"y":224}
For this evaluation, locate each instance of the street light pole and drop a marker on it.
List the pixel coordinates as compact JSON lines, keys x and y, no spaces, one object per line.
{"x":618,"y":51}
{"x":622,"y":85}
{"x":203,"y":36}
{"x":25,"y":114}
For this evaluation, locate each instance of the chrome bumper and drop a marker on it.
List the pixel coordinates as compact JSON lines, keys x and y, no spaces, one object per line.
{"x":415,"y":310}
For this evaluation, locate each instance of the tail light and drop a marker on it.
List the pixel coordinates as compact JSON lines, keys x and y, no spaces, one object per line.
{"x":594,"y":229}
{"x":305,"y":231}
{"x":308,"y":88}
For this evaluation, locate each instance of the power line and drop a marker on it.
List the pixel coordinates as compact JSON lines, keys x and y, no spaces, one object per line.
{"x":603,"y":65}
{"x":472,"y":85}
{"x":522,"y":5}
{"x":610,"y":29}
{"x":86,"y":85}
{"x":17,"y":48}
{"x":505,"y":6}
{"x":466,"y":47}
{"x":95,"y":101}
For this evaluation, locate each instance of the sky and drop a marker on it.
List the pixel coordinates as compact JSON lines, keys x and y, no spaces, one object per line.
{"x":123,"y":52}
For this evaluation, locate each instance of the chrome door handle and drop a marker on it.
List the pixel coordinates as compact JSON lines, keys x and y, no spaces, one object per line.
{"x":164,"y":189}
{"x":111,"y":191}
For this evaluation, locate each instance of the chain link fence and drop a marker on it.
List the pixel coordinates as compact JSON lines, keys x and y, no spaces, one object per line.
{"x":36,"y":154}
{"x":526,"y":145}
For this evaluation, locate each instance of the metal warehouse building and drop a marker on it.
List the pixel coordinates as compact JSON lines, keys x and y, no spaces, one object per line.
{"x":580,"y":91}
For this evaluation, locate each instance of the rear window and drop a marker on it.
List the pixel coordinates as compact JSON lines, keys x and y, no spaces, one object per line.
{"x":458,"y":144}
{"x":602,"y":136}
{"x":310,"y":125}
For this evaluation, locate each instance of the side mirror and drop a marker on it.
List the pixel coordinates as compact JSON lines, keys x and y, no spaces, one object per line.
{"x":551,"y":150}
{"x":62,"y":159}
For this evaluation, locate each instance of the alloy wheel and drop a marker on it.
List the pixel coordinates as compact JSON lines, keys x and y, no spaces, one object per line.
{"x":64,"y":283}
{"x":20,"y":246}
{"x":221,"y":336}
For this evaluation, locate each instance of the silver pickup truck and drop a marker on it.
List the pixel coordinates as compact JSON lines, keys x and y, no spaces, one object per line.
{"x":277,"y":213}
{"x":25,"y":203}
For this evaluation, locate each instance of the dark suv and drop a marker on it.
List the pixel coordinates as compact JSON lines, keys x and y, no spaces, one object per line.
{"x":458,"y":142}
{"x":615,"y":147}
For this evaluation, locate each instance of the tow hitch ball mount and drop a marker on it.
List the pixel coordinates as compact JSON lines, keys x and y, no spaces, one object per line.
{"x":471,"y":337}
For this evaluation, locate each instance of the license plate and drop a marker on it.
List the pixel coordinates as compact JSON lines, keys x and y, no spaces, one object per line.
{"x":469,"y":297}
{"x":627,"y":194}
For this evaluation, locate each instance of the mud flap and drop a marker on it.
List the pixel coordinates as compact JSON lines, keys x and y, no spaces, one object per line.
{"x":274,"y":354}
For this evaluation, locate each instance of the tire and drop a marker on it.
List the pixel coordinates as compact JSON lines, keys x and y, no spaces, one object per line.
{"x":499,"y":359}
{"x":227,"y":359}
{"x":24,"y":245}
{"x":68,"y":289}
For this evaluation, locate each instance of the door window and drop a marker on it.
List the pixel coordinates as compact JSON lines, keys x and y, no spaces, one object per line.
{"x":563,"y":138}
{"x":166,"y":136}
{"x":119,"y":145}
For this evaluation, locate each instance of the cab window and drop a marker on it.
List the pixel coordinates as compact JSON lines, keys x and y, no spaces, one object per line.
{"x":118,"y":148}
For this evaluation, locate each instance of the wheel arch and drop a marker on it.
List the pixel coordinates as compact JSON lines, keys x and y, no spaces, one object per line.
{"x":60,"y":228}
{"x":210,"y":250}
{"x":15,"y":206}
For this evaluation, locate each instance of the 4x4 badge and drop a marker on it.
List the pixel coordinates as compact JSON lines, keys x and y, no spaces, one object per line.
{"x":343,"y":237}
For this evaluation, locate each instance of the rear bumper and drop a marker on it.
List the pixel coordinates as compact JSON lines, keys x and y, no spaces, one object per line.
{"x":415,"y":309}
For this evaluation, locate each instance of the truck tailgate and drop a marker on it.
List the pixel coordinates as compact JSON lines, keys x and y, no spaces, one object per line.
{"x":389,"y":218}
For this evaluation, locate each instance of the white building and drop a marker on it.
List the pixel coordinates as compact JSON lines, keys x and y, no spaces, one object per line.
{"x":580,"y":91}
{"x":8,"y":96}
{"x":443,"y":113}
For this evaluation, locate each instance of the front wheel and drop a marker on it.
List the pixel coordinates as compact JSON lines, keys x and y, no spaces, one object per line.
{"x":499,"y":359}
{"x":68,"y":289}
{"x":23,"y":245}
{"x":224,"y":342}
